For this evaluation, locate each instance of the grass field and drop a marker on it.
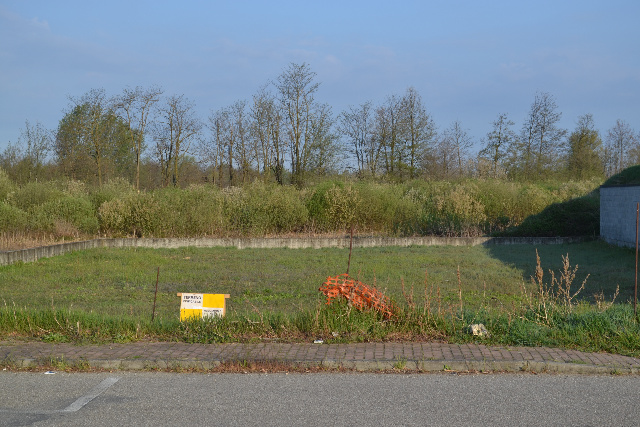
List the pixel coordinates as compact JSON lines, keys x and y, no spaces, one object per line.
{"x":122,"y":281}
{"x":107,"y":294}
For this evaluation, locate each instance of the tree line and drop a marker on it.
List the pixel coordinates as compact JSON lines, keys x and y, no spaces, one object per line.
{"x":284,"y":134}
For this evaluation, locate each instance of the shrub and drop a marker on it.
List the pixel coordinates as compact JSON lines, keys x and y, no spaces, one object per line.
{"x":66,"y":212}
{"x":574,"y":189}
{"x":7,"y":187}
{"x":34,"y":194}
{"x":132,"y":215}
{"x":114,"y":188}
{"x":261,"y":209}
{"x":11,"y":218}
{"x":500,"y":201}
{"x":202,"y":211}
{"x":344,"y":205}
{"x":75,"y":188}
{"x":575,"y":217}
{"x":318,"y":205}
{"x":274,"y":209}
{"x":448,"y":209}
{"x":458,"y":213}
{"x":195,"y":211}
{"x":532,"y":199}
{"x":628,"y":176}
{"x":382,"y":208}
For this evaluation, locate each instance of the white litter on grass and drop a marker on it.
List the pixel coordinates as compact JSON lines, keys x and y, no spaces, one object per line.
{"x":318,"y":341}
{"x":478,"y":329}
{"x":49,"y":373}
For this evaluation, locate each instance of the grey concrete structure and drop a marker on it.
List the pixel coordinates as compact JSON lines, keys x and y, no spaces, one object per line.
{"x":618,"y":209}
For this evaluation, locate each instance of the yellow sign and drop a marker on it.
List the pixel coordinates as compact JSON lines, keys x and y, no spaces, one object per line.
{"x":202,"y":305}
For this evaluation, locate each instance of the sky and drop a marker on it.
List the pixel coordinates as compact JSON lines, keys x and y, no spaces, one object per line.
{"x":469,"y":60}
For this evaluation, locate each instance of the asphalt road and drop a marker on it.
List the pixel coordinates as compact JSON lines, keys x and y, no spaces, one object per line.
{"x":155,"y":399}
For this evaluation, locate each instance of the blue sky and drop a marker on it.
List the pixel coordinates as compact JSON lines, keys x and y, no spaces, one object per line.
{"x":470,"y":60}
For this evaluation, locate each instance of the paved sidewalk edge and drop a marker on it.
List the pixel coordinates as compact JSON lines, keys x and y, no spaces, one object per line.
{"x":408,"y":366}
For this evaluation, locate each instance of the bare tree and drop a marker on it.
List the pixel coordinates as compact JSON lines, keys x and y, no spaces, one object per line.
{"x":37,"y":141}
{"x":321,"y":154}
{"x":498,"y":141}
{"x":457,"y":141}
{"x":240,"y":135}
{"x":178,"y":127}
{"x":419,"y":129}
{"x":262,"y":119}
{"x":621,"y":140}
{"x":24,"y":160}
{"x":296,"y":90}
{"x":541,"y":140}
{"x":213,"y":149}
{"x":356,"y":125}
{"x":389,"y":131}
{"x":443,"y":159}
{"x":135,"y":106}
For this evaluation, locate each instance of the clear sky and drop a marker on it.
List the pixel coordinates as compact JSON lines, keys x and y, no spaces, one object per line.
{"x":470,"y":60}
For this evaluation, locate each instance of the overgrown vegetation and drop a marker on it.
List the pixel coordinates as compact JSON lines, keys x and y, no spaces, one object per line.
{"x":71,"y":209}
{"x":105,"y":295}
{"x":628,"y":176}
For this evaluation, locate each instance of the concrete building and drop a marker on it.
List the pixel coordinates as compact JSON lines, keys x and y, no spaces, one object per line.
{"x":618,"y":211}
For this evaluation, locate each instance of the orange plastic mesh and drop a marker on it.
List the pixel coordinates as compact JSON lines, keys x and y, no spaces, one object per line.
{"x":358,"y":294}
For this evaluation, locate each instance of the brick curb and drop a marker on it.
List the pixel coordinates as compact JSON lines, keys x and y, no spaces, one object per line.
{"x":402,"y":357}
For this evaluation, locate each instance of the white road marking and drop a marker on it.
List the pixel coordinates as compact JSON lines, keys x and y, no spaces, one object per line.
{"x":78,"y":404}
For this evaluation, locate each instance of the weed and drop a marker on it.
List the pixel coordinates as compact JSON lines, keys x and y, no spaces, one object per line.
{"x":600,"y":299}
{"x":549,"y":300}
{"x":400,"y":364}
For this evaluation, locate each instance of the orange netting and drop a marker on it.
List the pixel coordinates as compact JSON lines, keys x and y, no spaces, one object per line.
{"x":358,"y":294}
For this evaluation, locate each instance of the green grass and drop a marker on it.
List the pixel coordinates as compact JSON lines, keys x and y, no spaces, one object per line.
{"x":107,"y":295}
{"x":121,"y":282}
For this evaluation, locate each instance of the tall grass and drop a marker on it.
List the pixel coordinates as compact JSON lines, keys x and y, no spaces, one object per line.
{"x":464,"y":208}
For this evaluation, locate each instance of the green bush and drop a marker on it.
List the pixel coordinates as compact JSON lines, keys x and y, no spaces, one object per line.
{"x":133,"y":215}
{"x":12,"y":218}
{"x":462,"y":208}
{"x":628,"y":176}
{"x":68,"y":211}
{"x":260,"y":209}
{"x":382,"y":208}
{"x":500,"y":201}
{"x":34,"y":194}
{"x":275,"y":209}
{"x":344,"y":207}
{"x":114,"y":188}
{"x":575,"y":217}
{"x":446,"y":209}
{"x":195,"y":211}
{"x":318,"y":205}
{"x":7,"y":187}
{"x":203,"y":211}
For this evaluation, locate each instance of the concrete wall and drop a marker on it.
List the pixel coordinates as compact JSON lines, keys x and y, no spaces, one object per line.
{"x":618,"y":214}
{"x":30,"y":255}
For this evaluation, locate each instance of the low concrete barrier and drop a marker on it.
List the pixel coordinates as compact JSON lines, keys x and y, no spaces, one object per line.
{"x":33,"y":254}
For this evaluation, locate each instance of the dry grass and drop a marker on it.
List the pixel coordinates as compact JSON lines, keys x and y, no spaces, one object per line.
{"x":17,"y":240}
